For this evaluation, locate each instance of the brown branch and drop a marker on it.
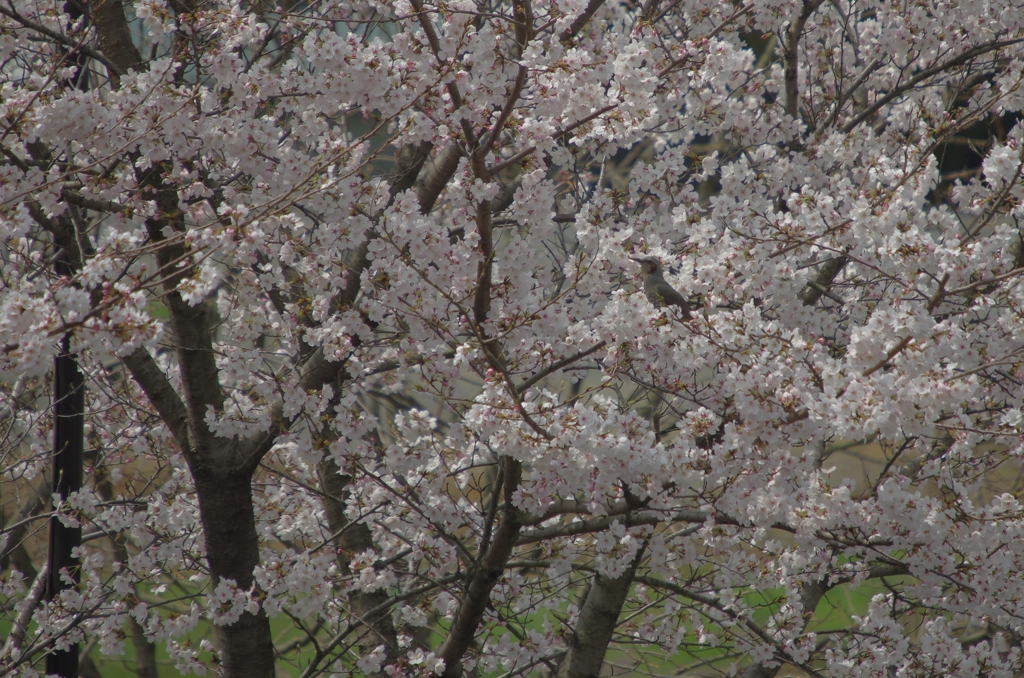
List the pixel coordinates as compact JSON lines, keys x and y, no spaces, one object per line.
{"x":435,"y":47}
{"x":849,"y":92}
{"x":574,"y":506}
{"x":477,"y":597}
{"x":437,"y":175}
{"x":1003,"y":194}
{"x":14,"y":553}
{"x":506,"y":112}
{"x":744,"y":622}
{"x":791,"y":56}
{"x":161,"y":394}
{"x":823,"y":281}
{"x":115,"y":38}
{"x":811,"y":593}
{"x":323,"y":652}
{"x":352,"y":538}
{"x":925,"y":74}
{"x":316,"y":370}
{"x":515,"y":159}
{"x":96,"y":204}
{"x":191,"y":328}
{"x":554,"y":367}
{"x":676,"y":63}
{"x":604,"y":522}
{"x":25,"y":609}
{"x":649,"y":10}
{"x":492,"y":510}
{"x":570,"y":33}
{"x":410,"y":162}
{"x":145,"y":651}
{"x":75,"y":46}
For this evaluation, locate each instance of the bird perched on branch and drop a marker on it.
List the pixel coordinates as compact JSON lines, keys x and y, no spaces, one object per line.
{"x":659,"y":292}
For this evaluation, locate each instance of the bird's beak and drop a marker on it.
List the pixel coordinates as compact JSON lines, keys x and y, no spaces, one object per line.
{"x":639,"y":261}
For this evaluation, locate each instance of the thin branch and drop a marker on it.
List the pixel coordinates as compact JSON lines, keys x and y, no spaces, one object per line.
{"x":11,"y":13}
{"x":554,"y":367}
{"x":925,"y":74}
{"x":25,"y":609}
{"x":791,"y":55}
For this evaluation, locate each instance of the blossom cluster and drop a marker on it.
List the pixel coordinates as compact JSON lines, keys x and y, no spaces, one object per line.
{"x":376,"y":257}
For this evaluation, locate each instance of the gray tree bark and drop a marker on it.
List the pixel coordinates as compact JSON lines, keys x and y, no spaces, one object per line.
{"x":596,"y":624}
{"x":354,"y":538}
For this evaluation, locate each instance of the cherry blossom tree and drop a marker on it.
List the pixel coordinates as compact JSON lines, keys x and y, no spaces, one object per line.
{"x":373,"y":387}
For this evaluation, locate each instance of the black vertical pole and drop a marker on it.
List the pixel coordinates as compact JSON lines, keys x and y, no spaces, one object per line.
{"x":68,"y":430}
{"x":68,"y":451}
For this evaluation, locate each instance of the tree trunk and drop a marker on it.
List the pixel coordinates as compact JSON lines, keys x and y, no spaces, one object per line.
{"x":596,"y":624}
{"x":352,"y":539}
{"x":232,"y":551}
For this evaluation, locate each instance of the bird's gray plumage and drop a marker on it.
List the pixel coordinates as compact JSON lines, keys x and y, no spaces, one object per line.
{"x":657,"y":290}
